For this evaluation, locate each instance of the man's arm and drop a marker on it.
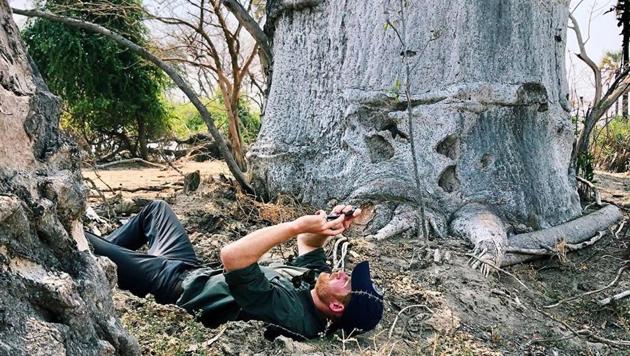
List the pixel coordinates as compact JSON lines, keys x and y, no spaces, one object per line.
{"x":246,"y":251}
{"x":308,"y":242}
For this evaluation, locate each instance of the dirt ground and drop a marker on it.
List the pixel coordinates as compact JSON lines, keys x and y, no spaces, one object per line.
{"x":437,"y":308}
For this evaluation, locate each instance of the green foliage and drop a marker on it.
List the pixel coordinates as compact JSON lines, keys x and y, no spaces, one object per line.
{"x":611,"y":145}
{"x":185,"y":119}
{"x":105,"y":87}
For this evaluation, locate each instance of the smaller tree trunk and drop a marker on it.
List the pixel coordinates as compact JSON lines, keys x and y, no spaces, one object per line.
{"x":142,"y":149}
{"x":234,"y":131}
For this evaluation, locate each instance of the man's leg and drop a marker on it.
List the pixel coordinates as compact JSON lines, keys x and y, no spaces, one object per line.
{"x":137,"y":272}
{"x":156,"y":224}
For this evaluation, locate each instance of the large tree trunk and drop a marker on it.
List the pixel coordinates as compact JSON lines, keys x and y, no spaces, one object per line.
{"x":490,"y":111}
{"x":54,"y":298}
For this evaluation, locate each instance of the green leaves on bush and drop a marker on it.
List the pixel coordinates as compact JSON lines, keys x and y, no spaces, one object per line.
{"x":105,"y":88}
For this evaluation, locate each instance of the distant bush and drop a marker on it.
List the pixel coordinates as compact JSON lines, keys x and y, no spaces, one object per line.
{"x":611,"y":145}
{"x":186,"y":121}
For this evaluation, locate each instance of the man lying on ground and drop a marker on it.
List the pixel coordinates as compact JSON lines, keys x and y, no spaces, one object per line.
{"x":298,"y":299}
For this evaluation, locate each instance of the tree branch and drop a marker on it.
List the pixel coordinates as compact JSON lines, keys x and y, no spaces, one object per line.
{"x":586,"y":59}
{"x":181,"y":83}
{"x":245,"y":19}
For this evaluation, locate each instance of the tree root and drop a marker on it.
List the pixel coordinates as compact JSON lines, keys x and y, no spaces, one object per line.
{"x":574,"y":232}
{"x":407,"y":217}
{"x":477,"y":224}
{"x":400,"y":223}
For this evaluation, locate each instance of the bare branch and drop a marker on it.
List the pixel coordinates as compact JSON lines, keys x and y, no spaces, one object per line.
{"x":584,"y":57}
{"x":245,"y":19}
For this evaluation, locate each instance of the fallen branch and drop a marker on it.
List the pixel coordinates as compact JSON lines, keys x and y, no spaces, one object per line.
{"x":573,"y":233}
{"x":128,"y":161}
{"x":614,"y":298}
{"x":611,"y":284}
{"x":150,"y":188}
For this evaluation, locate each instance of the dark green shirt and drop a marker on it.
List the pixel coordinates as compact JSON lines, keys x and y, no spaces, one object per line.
{"x":277,"y":294}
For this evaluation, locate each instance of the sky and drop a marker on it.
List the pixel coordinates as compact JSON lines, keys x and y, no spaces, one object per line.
{"x":599,"y":29}
{"x":604,"y":36}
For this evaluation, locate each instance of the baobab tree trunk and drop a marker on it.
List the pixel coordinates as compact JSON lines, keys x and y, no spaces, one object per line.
{"x":489,"y":107}
{"x":54,"y":299}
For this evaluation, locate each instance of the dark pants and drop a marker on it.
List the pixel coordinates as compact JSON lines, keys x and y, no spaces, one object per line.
{"x":159,"y":271}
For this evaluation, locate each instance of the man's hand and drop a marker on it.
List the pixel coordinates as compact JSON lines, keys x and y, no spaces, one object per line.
{"x":320,"y":230}
{"x":317,"y":224}
{"x":342,"y":209}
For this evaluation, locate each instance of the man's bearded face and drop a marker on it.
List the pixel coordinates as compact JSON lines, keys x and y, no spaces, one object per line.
{"x":334,"y":287}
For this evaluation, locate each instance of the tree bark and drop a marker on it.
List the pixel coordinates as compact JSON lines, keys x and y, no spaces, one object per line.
{"x":55,"y":299}
{"x":142,"y":149}
{"x":234,"y":131}
{"x":489,"y":105}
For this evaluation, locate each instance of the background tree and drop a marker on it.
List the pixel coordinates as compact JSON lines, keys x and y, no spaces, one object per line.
{"x":601,"y":103}
{"x":210,"y":45}
{"x":110,"y":93}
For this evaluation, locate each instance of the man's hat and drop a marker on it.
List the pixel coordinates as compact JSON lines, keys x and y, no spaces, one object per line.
{"x":366,"y":304}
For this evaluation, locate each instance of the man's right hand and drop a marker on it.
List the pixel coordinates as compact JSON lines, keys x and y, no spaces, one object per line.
{"x":317,"y":224}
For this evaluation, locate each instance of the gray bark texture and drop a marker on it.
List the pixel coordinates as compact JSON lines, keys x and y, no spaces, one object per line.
{"x":54,"y":299}
{"x":489,"y":104}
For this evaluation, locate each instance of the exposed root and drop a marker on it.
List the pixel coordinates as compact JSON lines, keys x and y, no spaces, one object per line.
{"x":484,"y":229}
{"x":561,"y":247}
{"x":400,"y":223}
{"x":575,"y":233}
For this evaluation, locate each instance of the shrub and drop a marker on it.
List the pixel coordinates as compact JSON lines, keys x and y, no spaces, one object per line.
{"x":611,"y":145}
{"x":185,"y":119}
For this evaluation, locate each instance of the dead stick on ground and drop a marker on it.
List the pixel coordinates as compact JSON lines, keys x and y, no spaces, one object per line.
{"x":110,"y":211}
{"x":130,"y":160}
{"x":614,"y":298}
{"x":611,"y":284}
{"x":215,"y":338}
{"x":98,"y":176}
{"x":586,"y":333}
{"x":168,"y":161}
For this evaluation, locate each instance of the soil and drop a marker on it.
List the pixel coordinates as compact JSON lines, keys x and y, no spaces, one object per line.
{"x":432,"y":305}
